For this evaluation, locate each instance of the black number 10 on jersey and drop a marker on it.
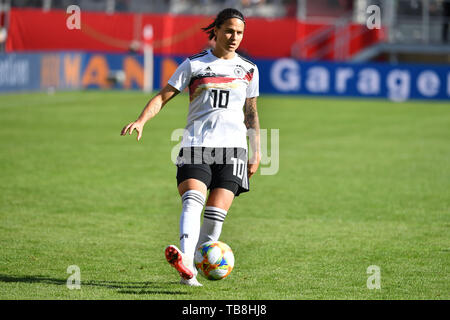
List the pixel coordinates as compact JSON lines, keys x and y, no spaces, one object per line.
{"x":220,"y":98}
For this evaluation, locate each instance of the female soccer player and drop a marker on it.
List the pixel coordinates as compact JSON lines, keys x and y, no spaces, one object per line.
{"x":223,"y":88}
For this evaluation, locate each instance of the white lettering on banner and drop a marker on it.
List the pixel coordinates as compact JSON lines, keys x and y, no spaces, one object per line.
{"x":14,"y":72}
{"x":285,"y":75}
{"x":342,"y":76}
{"x":428,"y":83}
{"x":369,"y":81}
{"x":399,"y":85}
{"x":448,"y":84}
{"x":318,"y":80}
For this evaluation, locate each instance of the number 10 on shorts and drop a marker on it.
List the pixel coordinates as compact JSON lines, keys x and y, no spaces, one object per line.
{"x":238,"y":167}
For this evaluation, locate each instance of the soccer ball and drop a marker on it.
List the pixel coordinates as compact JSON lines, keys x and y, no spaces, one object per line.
{"x":214,"y":260}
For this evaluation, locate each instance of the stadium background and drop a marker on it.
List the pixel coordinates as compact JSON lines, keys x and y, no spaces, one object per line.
{"x":364,"y":166}
{"x":111,"y":39}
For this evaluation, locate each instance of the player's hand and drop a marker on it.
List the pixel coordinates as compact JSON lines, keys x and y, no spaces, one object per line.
{"x":136,"y":125}
{"x":252,"y":165}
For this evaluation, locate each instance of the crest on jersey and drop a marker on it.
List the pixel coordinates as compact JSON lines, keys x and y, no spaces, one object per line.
{"x":239,"y":71}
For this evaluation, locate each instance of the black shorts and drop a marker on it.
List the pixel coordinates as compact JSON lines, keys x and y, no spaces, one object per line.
{"x":215,"y":167}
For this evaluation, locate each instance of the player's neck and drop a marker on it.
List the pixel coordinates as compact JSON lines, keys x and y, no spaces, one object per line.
{"x":223,"y":54}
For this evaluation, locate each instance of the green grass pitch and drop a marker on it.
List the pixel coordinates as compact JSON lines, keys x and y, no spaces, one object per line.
{"x":360,"y":183}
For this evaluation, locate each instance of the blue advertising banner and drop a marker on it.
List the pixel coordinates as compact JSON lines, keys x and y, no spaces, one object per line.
{"x":19,"y":72}
{"x":81,"y":70}
{"x":370,"y":80}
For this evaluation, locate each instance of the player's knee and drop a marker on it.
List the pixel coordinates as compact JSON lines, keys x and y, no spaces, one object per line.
{"x":192,"y":184}
{"x":193,"y":199}
{"x":220,"y":198}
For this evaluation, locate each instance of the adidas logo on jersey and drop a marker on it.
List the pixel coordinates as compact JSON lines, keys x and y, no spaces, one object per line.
{"x":207,"y":73}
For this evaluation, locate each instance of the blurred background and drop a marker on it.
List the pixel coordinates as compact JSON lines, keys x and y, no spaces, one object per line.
{"x":310,"y":31}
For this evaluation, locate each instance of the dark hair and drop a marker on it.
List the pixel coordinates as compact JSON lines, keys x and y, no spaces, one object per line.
{"x":222,"y":16}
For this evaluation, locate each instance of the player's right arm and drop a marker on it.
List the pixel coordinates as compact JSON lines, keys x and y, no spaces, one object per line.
{"x":151,"y":109}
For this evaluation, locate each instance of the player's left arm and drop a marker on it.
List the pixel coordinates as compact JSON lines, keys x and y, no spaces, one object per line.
{"x":251,"y":121}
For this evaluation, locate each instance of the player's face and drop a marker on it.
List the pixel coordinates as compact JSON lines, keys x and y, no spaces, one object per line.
{"x":230,"y":34}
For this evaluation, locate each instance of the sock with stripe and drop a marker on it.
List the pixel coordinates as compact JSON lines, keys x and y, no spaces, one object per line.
{"x":211,"y":229}
{"x":193,"y":202}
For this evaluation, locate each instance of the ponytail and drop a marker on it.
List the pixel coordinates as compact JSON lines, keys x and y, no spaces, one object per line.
{"x":223,"y":15}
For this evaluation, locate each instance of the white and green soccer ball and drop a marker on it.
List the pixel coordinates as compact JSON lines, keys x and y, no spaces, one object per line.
{"x":214,"y":260}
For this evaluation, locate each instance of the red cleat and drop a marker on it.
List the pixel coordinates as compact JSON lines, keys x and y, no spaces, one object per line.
{"x":175,"y":257}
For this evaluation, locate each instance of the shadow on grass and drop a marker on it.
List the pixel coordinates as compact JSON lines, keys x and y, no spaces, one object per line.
{"x":125,"y":287}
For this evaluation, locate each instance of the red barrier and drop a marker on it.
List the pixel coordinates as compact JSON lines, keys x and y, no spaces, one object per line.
{"x":33,"y":29}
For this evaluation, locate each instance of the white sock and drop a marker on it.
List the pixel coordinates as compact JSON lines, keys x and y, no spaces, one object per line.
{"x":212,"y":224}
{"x":193,"y":202}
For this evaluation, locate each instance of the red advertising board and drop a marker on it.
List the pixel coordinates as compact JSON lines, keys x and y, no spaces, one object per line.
{"x":36,"y":30}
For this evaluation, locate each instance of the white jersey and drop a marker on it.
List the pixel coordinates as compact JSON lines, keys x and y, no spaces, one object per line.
{"x":217,"y":92}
